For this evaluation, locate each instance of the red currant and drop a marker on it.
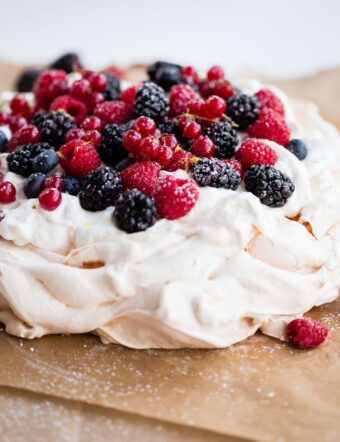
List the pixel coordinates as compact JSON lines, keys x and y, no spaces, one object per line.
{"x":94,"y":137}
{"x":16,"y":122}
{"x":50,"y":199}
{"x":129,"y":94}
{"x":184,"y":121}
{"x":192,"y":130}
{"x":157,"y":133}
{"x":131,"y":140}
{"x":92,"y":123}
{"x":196,"y":107}
{"x":149,"y":147}
{"x":94,"y":99}
{"x":19,"y":106}
{"x":80,"y":89}
{"x":206,"y":88}
{"x":74,"y":134}
{"x":145,"y":126}
{"x":26,"y":134}
{"x":54,"y":181}
{"x":98,"y":82}
{"x":169,"y":141}
{"x":223,"y":89}
{"x":87,"y":74}
{"x":189,"y":73}
{"x":203,"y":147}
{"x":7,"y":192}
{"x":164,"y":156}
{"x":215,"y":106}
{"x":215,"y":73}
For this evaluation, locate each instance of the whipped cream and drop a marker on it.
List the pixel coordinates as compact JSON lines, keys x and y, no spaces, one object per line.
{"x":210,"y":279}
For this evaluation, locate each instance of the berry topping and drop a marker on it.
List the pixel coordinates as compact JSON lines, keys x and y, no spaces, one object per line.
{"x":224,"y":137}
{"x":26,"y":134}
{"x":53,"y":127}
{"x":70,"y":105}
{"x":236,"y":165}
{"x":181,"y":160}
{"x":165,"y":74}
{"x":80,"y":89}
{"x":111,"y":150}
{"x":145,"y":126}
{"x":267,"y":98}
{"x":192,"y":130}
{"x":74,"y":134}
{"x":34,"y":185}
{"x":298,"y":148}
{"x":113,"y":112}
{"x":112,"y":90}
{"x":50,"y":199}
{"x":175,"y":197}
{"x":223,"y":89}
{"x":54,"y":181}
{"x":131,"y":140}
{"x":98,"y":82}
{"x":124,"y":164}
{"x":270,"y":125}
{"x":243,"y":110}
{"x":203,"y":147}
{"x":190,"y":75}
{"x":135,"y":212}
{"x":26,"y":80}
{"x":49,"y":85}
{"x":215,"y":173}
{"x":21,"y":160}
{"x":149,"y":147}
{"x":151,"y":102}
{"x":16,"y":122}
{"x":69,"y":62}
{"x":93,"y":136}
{"x":180,"y":97}
{"x":71,"y":184}
{"x":141,"y":176}
{"x":129,"y":94}
{"x":171,"y":127}
{"x":306,"y":333}
{"x":92,"y":123}
{"x":7,"y":192}
{"x":214,"y":107}
{"x":270,"y":185}
{"x":78,"y":158}
{"x":253,"y":151}
{"x":19,"y":106}
{"x":45,"y":161}
{"x":164,"y":156}
{"x":215,"y":73}
{"x":100,"y":189}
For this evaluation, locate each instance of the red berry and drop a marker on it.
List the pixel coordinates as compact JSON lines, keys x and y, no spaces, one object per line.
{"x":98,"y":82}
{"x":192,"y":130}
{"x":268,"y":99}
{"x":50,"y":199}
{"x":93,"y":100}
{"x":165,"y":156}
{"x":92,"y":123}
{"x":87,"y":74}
{"x":183,"y":122}
{"x":74,"y":134}
{"x":189,"y":73}
{"x":71,"y":106}
{"x":26,"y":134}
{"x":145,"y":126}
{"x":19,"y":106}
{"x":306,"y":333}
{"x":129,"y":94}
{"x":1,"y":177}
{"x":16,"y":122}
{"x":180,"y":160}
{"x":93,"y":136}
{"x":131,"y":140}
{"x":215,"y":106}
{"x":80,"y":89}
{"x":78,"y":158}
{"x":141,"y":176}
{"x":271,"y":126}
{"x":49,"y":85}
{"x":253,"y":151}
{"x":180,"y":97}
{"x":215,"y":73}
{"x":223,"y":89}
{"x":196,"y":107}
{"x":3,"y":118}
{"x":54,"y":181}
{"x":113,"y":112}
{"x":175,"y":197}
{"x":149,"y":147}
{"x":236,"y":165}
{"x":169,"y":141}
{"x":206,"y":88}
{"x":115,"y":70}
{"x":7,"y":192}
{"x":203,"y":147}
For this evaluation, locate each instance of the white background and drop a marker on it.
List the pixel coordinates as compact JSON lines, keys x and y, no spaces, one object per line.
{"x":280,"y":37}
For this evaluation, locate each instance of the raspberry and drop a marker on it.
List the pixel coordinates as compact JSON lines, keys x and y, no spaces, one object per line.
{"x":53,"y":127}
{"x":20,"y":161}
{"x":69,"y":62}
{"x":113,"y":112}
{"x":224,"y":137}
{"x":72,"y":106}
{"x":180,"y":97}
{"x":297,"y":148}
{"x":78,"y":158}
{"x":26,"y":80}
{"x":243,"y":110}
{"x":50,"y":199}
{"x":271,"y":126}
{"x":129,"y":94}
{"x":181,"y":160}
{"x":214,"y":173}
{"x":26,"y":134}
{"x":135,"y":212}
{"x":253,"y":151}
{"x":112,"y":90}
{"x":111,"y":150}
{"x":306,"y":333}
{"x":141,"y":176}
{"x":175,"y":197}
{"x":93,"y":100}
{"x":267,"y":98}
{"x":7,"y":192}
{"x":49,"y":85}
{"x":189,"y":74}
{"x":151,"y":102}
{"x":165,"y":74}
{"x":236,"y":165}
{"x":80,"y":89}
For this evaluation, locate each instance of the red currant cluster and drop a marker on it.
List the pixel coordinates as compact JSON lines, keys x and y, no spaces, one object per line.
{"x":20,"y":113}
{"x":89,"y":89}
{"x":216,"y":84}
{"x":88,"y":131}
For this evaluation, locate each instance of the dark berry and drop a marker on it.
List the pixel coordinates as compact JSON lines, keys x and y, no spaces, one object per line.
{"x":135,"y":211}
{"x":171,"y":127}
{"x":71,"y":184}
{"x":100,"y":189}
{"x":269,"y":184}
{"x":224,"y":137}
{"x":298,"y":148}
{"x":243,"y":110}
{"x":69,"y":62}
{"x":113,"y":90}
{"x":214,"y":173}
{"x":151,"y":102}
{"x":3,"y":142}
{"x":21,"y":160}
{"x":111,"y":150}
{"x":53,"y":127}
{"x":129,"y":124}
{"x":26,"y":80}
{"x":46,"y":161}
{"x":124,"y":164}
{"x":165,"y":74}
{"x":34,"y":185}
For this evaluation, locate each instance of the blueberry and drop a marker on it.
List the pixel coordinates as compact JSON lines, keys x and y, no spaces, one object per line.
{"x":124,"y":164}
{"x":3,"y":142}
{"x":45,"y":161}
{"x":71,"y":184}
{"x":34,"y":185}
{"x":298,"y":148}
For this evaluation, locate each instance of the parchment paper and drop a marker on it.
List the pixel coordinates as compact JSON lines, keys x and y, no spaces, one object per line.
{"x":75,"y":388}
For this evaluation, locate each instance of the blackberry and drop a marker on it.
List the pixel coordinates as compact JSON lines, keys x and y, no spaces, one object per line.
{"x":3,"y":142}
{"x":171,"y":127}
{"x":298,"y":148}
{"x":20,"y":161}
{"x":111,"y":150}
{"x":165,"y":74}
{"x":269,"y":184}
{"x":71,"y":184}
{"x":151,"y":102}
{"x":53,"y":127}
{"x":224,"y":137}
{"x":243,"y":109}
{"x":124,"y":164}
{"x":112,"y":91}
{"x":68,"y":62}
{"x":100,"y":189}
{"x":26,"y":80}
{"x":214,"y":173}
{"x":135,"y":212}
